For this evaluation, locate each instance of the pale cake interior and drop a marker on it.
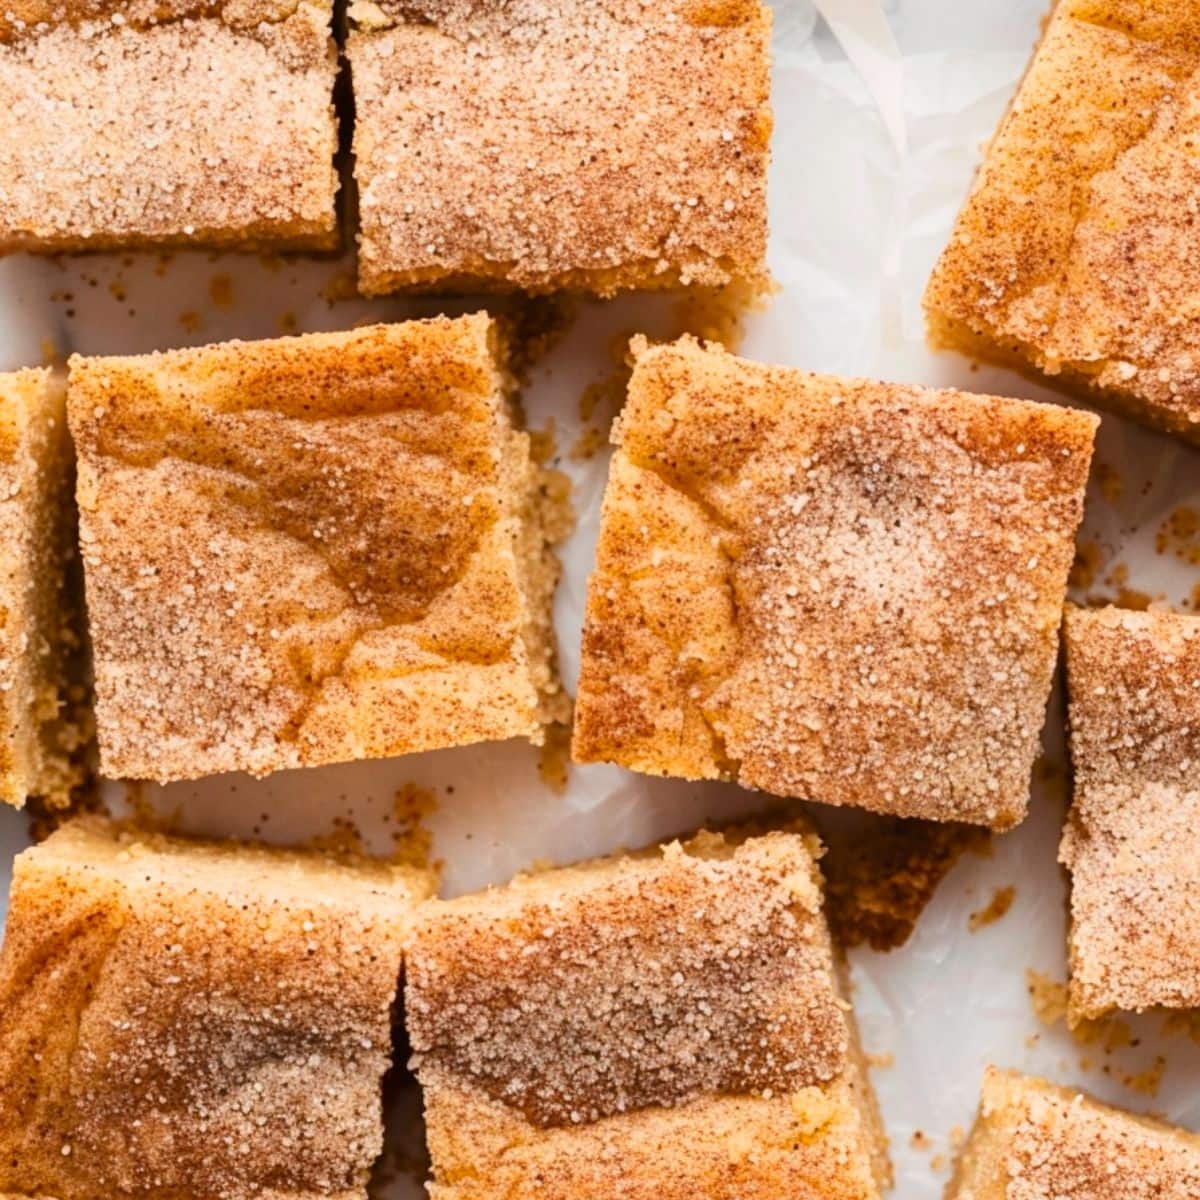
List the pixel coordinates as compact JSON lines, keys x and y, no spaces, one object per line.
{"x":196,"y":1018}
{"x":591,"y":147}
{"x":344,"y":529}
{"x":815,"y":585}
{"x":177,"y":123}
{"x":1034,"y":1141}
{"x":663,"y":1022}
{"x":37,"y":636}
{"x":1133,"y":686}
{"x":1075,"y":252}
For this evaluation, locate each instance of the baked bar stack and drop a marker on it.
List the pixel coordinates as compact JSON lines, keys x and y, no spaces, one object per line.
{"x":37,"y":637}
{"x":187,"y":1018}
{"x":1076,"y":253}
{"x":666,"y":1025}
{"x":1034,"y":1141}
{"x":163,"y":122}
{"x":1132,"y":843}
{"x":828,"y":588}
{"x":582,"y":145}
{"x":310,"y":550}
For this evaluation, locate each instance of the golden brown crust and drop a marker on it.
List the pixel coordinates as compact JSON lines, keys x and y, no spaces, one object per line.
{"x":832,"y":589}
{"x":36,"y":626}
{"x":232,"y":143}
{"x":304,"y":551}
{"x":189,"y":1018}
{"x":1035,"y":1141}
{"x":575,"y":145}
{"x":1130,"y":844}
{"x":670,"y":1021}
{"x":1076,"y":251}
{"x":809,"y":1145}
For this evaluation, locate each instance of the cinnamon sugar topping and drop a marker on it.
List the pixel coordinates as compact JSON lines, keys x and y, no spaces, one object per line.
{"x":195,"y":1018}
{"x":1134,"y":690}
{"x":1033,"y":1141}
{"x":591,"y":991}
{"x":311,"y":550}
{"x":830,"y":589}
{"x":581,"y":144}
{"x":152,"y":123}
{"x":1076,"y":252}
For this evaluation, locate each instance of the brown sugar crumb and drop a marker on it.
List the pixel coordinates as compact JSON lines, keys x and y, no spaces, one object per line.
{"x":554,"y":757}
{"x":412,"y":841}
{"x":1179,"y":535}
{"x":1185,"y":1021}
{"x":1108,"y":479}
{"x":140,"y":125}
{"x":1048,"y":997}
{"x":220,"y":291}
{"x":877,"y":886}
{"x":1134,"y":600}
{"x":920,"y":1141}
{"x":718,"y":314}
{"x":1051,"y":1001}
{"x":535,"y":327}
{"x":340,"y":288}
{"x":1075,"y":253}
{"x":994,"y":910}
{"x":568,"y":146}
{"x":1039,"y":1142}
{"x":1133,"y":682}
{"x":813,"y":585}
{"x":343,"y":839}
{"x":1089,"y":561}
{"x":1146,"y":1082}
{"x":587,"y":444}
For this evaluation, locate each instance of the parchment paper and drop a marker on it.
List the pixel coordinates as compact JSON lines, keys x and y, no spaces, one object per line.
{"x":880,"y":113}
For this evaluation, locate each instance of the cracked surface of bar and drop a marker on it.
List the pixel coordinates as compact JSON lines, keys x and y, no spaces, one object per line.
{"x":827,"y":588}
{"x":310,"y":550}
{"x":196,"y":1018}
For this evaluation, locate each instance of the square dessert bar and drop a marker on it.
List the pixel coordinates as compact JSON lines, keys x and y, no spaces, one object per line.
{"x":156,"y":123}
{"x":1132,"y":843}
{"x":1076,"y":251}
{"x":828,"y":588}
{"x":662,"y":1026}
{"x":191,"y":1018}
{"x":37,"y":634}
{"x":310,"y":550}
{"x":582,"y":145}
{"x":1033,"y":1140}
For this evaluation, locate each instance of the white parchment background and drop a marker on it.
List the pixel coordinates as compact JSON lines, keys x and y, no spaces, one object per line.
{"x":880,"y":112}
